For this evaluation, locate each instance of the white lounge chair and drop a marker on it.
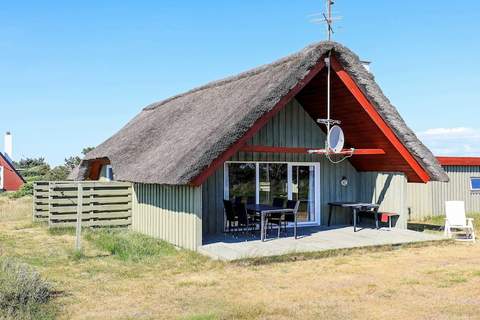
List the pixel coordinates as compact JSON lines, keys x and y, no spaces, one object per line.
{"x":456,"y":222}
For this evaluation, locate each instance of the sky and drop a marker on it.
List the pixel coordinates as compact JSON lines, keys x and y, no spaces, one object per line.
{"x":72,"y":73}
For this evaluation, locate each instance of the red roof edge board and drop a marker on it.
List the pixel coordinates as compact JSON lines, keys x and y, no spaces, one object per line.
{"x":459,"y":161}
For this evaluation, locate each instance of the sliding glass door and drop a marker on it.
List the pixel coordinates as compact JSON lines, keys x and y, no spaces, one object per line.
{"x":261,"y":182}
{"x":303,"y":190}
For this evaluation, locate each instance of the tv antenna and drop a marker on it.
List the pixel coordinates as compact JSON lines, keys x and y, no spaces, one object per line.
{"x":335,"y":137}
{"x":326,"y":18}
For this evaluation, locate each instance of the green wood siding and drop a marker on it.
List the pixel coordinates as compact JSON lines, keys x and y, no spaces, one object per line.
{"x":429,"y":200}
{"x":170,"y":213}
{"x":389,"y":189}
{"x":293,"y":127}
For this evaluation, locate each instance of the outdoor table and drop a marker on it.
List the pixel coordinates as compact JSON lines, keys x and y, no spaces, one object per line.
{"x":265,"y":209}
{"x":355,"y":207}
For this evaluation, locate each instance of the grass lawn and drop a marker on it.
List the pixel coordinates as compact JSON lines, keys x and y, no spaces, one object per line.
{"x":123,"y":275}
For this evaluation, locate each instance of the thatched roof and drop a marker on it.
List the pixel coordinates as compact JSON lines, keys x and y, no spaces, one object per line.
{"x":173,"y":141}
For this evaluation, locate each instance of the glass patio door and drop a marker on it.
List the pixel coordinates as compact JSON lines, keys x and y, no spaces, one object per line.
{"x":261,"y":182}
{"x":303,"y":189}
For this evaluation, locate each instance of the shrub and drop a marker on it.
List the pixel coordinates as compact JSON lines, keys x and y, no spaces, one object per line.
{"x":25,"y":190}
{"x":22,"y":291}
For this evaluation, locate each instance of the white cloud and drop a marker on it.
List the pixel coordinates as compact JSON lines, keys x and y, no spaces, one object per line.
{"x":460,"y":141}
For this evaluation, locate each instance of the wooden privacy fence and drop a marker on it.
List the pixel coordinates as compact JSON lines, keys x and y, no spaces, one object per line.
{"x":103,"y":203}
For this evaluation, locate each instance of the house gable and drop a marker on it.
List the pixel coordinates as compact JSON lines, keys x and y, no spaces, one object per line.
{"x":12,"y":180}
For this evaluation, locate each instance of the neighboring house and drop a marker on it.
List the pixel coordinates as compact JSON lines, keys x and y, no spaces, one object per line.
{"x":10,"y":178}
{"x":427,"y":200}
{"x":249,"y":136}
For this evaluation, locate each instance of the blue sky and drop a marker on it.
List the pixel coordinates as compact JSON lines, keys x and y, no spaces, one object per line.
{"x":73,"y":73}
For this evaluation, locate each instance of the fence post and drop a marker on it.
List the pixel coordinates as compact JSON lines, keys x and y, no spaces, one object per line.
{"x":34,"y":201}
{"x":50,"y":197}
{"x":78,"y":244}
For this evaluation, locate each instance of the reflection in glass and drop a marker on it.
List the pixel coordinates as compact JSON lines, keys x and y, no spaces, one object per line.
{"x":241,"y":181}
{"x":303,"y":189}
{"x":273,"y":182}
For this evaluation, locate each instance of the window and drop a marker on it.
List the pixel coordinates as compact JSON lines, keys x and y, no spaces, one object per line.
{"x":261,"y":182}
{"x":273,"y":182}
{"x":240,"y":182}
{"x":106,"y":173}
{"x":1,"y":178}
{"x":475,"y":184}
{"x":109,"y":172}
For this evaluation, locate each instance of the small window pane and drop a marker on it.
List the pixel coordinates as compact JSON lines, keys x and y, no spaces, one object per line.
{"x":241,"y":181}
{"x":109,"y":173}
{"x":475,"y":182}
{"x":1,"y":178}
{"x":273,"y":182}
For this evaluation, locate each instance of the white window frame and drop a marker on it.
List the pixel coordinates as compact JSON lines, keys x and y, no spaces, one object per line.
{"x":2,"y":177}
{"x":108,"y":169}
{"x":316,"y":165}
{"x":471,"y":184}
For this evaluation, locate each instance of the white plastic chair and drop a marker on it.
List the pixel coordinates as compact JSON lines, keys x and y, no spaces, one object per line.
{"x":456,"y":220}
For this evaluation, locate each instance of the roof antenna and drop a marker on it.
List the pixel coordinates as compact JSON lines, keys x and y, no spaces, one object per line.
{"x":321,"y":18}
{"x":329,"y":20}
{"x":335,"y":141}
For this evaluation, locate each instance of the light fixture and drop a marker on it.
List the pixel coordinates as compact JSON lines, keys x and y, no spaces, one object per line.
{"x":344,"y":181}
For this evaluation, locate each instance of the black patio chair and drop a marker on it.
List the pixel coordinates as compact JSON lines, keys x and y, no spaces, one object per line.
{"x":230,"y":214}
{"x":275,"y":218}
{"x":244,"y":220}
{"x":291,"y":204}
{"x":278,"y":202}
{"x":237,"y":200}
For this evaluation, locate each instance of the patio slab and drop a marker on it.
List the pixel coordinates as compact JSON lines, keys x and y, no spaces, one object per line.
{"x":227,"y":247}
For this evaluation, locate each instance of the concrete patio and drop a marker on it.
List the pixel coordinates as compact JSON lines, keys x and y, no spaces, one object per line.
{"x":227,"y":247}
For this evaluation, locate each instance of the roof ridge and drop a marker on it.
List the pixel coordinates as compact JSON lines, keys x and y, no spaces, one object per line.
{"x":241,"y":75}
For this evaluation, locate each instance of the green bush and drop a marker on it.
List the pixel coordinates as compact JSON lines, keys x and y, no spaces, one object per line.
{"x":25,"y":190}
{"x":23,"y":293}
{"x":128,"y":245}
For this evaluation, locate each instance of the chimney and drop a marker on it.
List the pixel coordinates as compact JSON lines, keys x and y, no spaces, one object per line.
{"x":9,"y":145}
{"x":366,"y":65}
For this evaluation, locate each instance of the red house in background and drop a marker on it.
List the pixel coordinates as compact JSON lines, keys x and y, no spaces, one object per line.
{"x":10,"y":178}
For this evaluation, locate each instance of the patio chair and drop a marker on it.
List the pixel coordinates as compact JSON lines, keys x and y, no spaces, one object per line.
{"x":230,"y":214}
{"x":244,"y":220}
{"x":275,"y":218}
{"x":251,"y":200}
{"x":278,"y":202}
{"x":456,"y":220}
{"x":237,"y":200}
{"x":291,"y":204}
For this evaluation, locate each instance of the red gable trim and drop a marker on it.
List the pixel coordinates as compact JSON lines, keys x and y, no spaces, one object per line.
{"x":300,"y":150}
{"x":259,"y":124}
{"x":459,"y":161}
{"x":378,"y":120}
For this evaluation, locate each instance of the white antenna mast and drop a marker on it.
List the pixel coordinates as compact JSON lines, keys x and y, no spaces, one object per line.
{"x":326,"y":18}
{"x":335,"y":137}
{"x":329,"y":19}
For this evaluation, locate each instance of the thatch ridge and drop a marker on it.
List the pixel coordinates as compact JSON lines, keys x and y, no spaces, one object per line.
{"x":174,"y":140}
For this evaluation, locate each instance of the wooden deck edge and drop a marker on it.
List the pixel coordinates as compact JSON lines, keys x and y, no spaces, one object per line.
{"x":314,"y":255}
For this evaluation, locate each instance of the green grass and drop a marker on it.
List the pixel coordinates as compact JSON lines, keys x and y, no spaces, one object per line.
{"x":61,"y":231}
{"x":129,"y":245}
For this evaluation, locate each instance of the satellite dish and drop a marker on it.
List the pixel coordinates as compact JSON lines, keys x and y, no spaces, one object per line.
{"x":336,"y":139}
